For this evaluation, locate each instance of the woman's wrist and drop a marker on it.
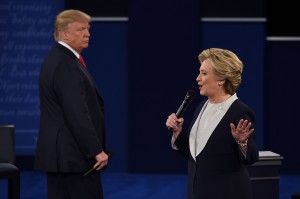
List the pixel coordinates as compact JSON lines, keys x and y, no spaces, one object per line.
{"x":242,"y":144}
{"x":175,"y":135}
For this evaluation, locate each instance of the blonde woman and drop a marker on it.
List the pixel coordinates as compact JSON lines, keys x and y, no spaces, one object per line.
{"x":220,"y":140}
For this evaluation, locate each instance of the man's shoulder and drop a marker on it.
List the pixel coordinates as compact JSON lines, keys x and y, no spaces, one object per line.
{"x":58,"y":50}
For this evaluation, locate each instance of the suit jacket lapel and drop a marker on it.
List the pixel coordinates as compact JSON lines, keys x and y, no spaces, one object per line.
{"x":85,"y":72}
{"x":81,"y":67}
{"x":89,"y":77}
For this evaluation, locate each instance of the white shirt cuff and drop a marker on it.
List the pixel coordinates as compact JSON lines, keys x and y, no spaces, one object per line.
{"x":173,"y":143}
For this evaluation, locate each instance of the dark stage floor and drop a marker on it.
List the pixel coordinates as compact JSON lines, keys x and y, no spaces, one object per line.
{"x":134,"y":186}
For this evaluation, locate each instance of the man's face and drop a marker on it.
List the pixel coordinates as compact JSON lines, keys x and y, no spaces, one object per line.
{"x":77,"y":36}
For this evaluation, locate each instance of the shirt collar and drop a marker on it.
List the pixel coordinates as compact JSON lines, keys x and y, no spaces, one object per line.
{"x":69,"y":47}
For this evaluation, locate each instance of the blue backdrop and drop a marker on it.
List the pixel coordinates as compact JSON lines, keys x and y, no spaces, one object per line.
{"x":26,"y":36}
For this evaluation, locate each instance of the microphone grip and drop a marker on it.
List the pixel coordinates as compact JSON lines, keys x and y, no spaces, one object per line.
{"x":180,"y":111}
{"x":187,"y":99}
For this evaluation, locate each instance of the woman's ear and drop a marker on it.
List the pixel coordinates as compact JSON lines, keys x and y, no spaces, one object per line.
{"x":221,"y":82}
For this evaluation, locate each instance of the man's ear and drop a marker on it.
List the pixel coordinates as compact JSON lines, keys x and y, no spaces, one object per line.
{"x":63,"y":35}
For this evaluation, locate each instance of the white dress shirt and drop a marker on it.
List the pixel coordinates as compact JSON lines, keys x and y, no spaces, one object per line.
{"x":206,"y":122}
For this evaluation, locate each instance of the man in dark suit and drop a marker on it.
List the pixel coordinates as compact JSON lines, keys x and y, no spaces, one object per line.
{"x":71,"y":135}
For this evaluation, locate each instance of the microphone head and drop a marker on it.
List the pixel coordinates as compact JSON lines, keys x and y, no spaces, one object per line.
{"x":189,"y":95}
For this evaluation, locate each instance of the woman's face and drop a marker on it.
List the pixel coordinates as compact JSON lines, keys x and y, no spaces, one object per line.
{"x":208,"y":82}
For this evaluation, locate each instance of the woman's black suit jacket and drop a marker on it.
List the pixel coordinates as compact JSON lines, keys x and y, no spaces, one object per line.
{"x":220,"y":171}
{"x":72,"y":128}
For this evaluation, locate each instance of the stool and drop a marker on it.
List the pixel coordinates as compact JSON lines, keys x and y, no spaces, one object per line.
{"x":296,"y":196}
{"x":7,"y":159}
{"x":12,"y":174}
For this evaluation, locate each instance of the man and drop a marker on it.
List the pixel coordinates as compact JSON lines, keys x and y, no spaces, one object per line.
{"x":71,"y":135}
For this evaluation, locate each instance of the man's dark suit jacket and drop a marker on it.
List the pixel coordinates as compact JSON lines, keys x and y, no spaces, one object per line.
{"x":72,"y":115}
{"x":220,"y":170}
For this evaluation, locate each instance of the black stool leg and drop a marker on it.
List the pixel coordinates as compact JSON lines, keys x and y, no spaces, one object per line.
{"x":14,"y":187}
{"x":296,"y":196}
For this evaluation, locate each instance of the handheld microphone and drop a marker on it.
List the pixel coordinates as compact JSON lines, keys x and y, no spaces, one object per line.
{"x":109,"y":154}
{"x":187,"y":99}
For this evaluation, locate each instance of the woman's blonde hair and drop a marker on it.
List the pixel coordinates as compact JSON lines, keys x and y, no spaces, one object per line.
{"x":226,"y":66}
{"x":66,"y":17}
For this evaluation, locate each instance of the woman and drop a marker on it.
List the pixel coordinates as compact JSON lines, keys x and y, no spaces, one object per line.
{"x":221,"y":140}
